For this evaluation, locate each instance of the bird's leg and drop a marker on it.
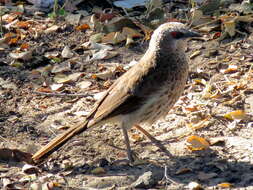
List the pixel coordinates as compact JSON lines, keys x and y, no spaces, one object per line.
{"x":154,"y":140}
{"x":129,"y":152}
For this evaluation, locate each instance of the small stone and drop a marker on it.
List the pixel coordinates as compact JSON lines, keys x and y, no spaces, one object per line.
{"x":144,"y":181}
{"x":194,"y":186}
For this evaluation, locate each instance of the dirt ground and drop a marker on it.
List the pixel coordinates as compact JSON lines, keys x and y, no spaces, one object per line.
{"x":29,"y":120}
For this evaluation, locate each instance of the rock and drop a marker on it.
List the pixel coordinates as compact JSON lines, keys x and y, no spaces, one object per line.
{"x":146,"y":180}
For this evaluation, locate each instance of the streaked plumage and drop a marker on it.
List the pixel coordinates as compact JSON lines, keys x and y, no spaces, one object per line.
{"x":144,"y":93}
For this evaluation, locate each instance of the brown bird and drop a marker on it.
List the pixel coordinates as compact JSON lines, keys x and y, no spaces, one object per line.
{"x":144,"y":93}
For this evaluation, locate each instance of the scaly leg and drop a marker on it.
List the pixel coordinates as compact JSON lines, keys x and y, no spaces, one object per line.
{"x":129,"y":152}
{"x":154,"y":140}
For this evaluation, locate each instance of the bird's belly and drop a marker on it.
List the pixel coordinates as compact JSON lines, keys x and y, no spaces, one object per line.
{"x":161,"y":103}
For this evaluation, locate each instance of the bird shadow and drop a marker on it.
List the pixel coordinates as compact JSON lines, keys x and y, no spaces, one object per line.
{"x":207,"y":168}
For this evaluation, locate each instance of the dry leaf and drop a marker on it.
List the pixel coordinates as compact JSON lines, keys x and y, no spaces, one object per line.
{"x":52,"y":29}
{"x":195,"y":54}
{"x":56,"y":87}
{"x":230,"y":27}
{"x":203,"y":123}
{"x":24,"y":46}
{"x":230,"y":69}
{"x":196,"y":15}
{"x":98,"y":170}
{"x":136,"y":137}
{"x":200,"y":81}
{"x":44,"y":89}
{"x":206,"y":176}
{"x":66,"y":52}
{"x":131,"y":32}
{"x":225,"y":185}
{"x":27,"y":55}
{"x":191,"y":108}
{"x":61,"y":78}
{"x":215,"y":141}
{"x":183,"y":171}
{"x":103,"y":54}
{"x":207,"y":92}
{"x":195,"y":143}
{"x":23,"y":24}
{"x":84,"y":84}
{"x":83,"y":27}
{"x":113,"y":38}
{"x":236,"y":115}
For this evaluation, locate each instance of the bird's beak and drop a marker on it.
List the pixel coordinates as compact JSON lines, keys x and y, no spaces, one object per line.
{"x":190,"y":34}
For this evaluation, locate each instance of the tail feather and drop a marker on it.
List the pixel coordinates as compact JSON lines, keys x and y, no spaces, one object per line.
{"x":59,"y":141}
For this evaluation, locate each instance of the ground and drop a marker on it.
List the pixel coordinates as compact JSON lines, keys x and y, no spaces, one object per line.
{"x":96,"y":158}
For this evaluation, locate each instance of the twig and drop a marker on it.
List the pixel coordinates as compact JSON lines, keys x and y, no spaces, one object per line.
{"x":62,"y":94}
{"x":1,"y":137}
{"x":167,"y":177}
{"x":205,"y":24}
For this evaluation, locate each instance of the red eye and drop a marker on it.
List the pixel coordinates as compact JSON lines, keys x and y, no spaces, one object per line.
{"x":177,"y":35}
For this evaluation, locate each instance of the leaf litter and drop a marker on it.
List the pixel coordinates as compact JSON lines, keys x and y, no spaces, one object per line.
{"x":213,"y":105}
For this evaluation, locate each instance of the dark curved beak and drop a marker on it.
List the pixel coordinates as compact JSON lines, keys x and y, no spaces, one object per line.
{"x":190,"y":34}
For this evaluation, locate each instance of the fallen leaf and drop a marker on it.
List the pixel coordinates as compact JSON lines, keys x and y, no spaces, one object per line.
{"x":27,"y":55}
{"x":61,"y":78}
{"x":195,"y":54}
{"x":56,"y":87}
{"x":230,"y":69}
{"x":83,"y":27}
{"x":66,"y":52}
{"x":236,"y":115}
{"x":206,"y":176}
{"x":104,"y":75}
{"x":84,"y":84}
{"x":225,"y":185}
{"x":215,"y":141}
{"x":24,"y":46}
{"x":136,"y":137}
{"x":98,"y":170}
{"x":52,"y":29}
{"x":196,"y":143}
{"x":62,"y":67}
{"x":209,"y":93}
{"x":183,"y":171}
{"x":23,"y":24}
{"x":44,"y":89}
{"x":97,"y":46}
{"x":191,"y":108}
{"x":230,"y":27}
{"x":131,"y":32}
{"x":103,"y":54}
{"x":113,"y":38}
{"x":196,"y":15}
{"x":200,"y":81}
{"x":203,"y":123}
{"x":96,"y":37}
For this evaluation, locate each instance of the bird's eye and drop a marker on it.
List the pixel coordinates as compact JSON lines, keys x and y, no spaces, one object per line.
{"x":177,"y":35}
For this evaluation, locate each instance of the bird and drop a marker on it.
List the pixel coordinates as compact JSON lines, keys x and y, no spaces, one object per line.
{"x":143,"y":94}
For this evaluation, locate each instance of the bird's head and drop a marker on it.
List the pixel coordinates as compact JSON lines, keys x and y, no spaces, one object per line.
{"x":171,"y":35}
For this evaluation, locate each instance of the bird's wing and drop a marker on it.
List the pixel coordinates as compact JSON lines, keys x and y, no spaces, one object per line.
{"x":121,"y":97}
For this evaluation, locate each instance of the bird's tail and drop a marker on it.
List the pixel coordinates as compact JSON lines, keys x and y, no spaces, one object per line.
{"x":59,"y":141}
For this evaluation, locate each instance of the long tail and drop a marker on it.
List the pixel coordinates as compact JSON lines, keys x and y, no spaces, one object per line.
{"x":59,"y":141}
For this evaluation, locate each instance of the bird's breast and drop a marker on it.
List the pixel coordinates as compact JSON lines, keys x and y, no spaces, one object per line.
{"x":168,"y":80}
